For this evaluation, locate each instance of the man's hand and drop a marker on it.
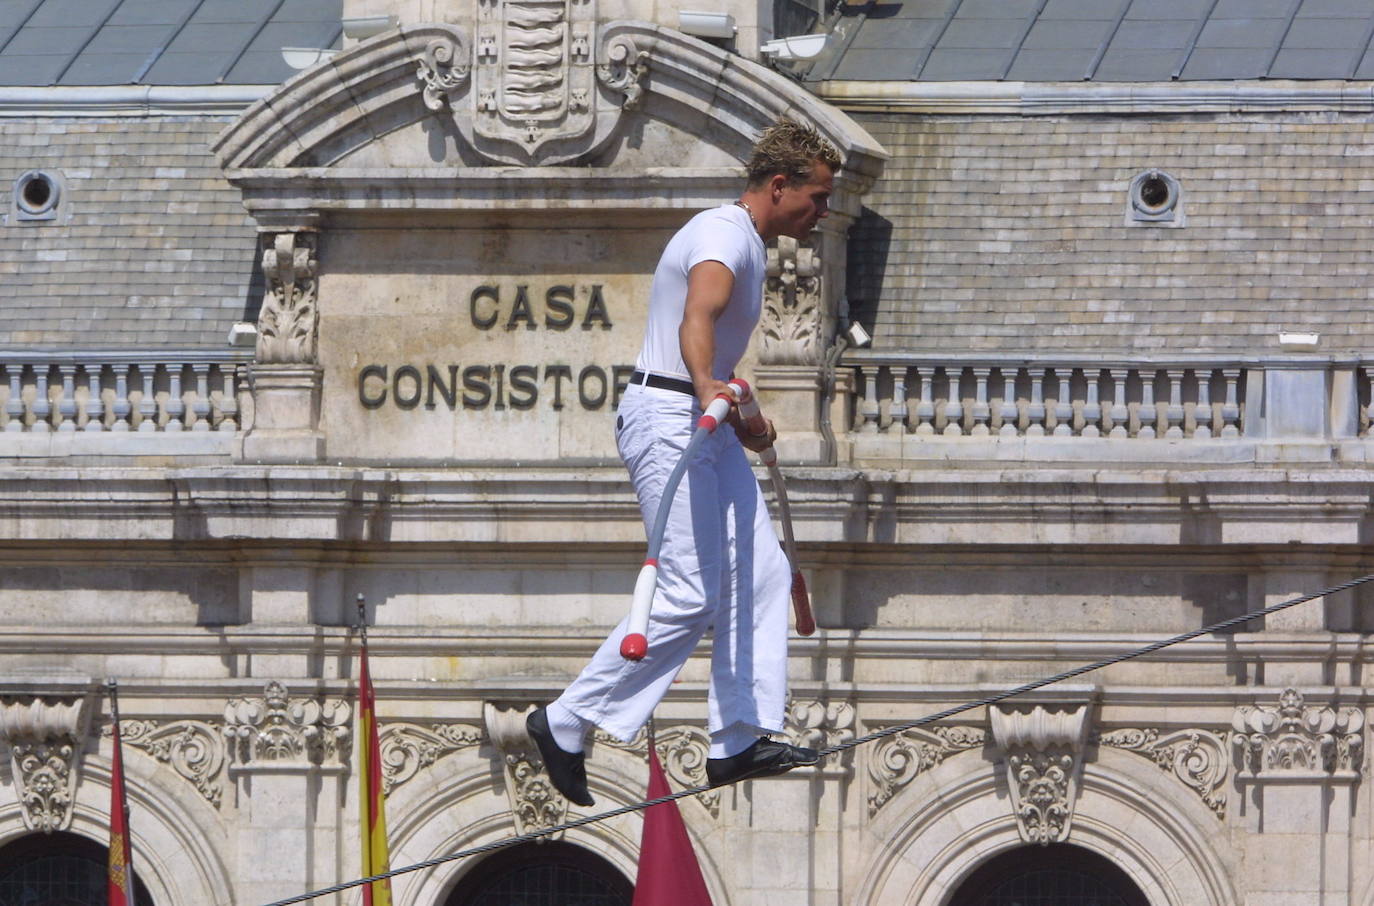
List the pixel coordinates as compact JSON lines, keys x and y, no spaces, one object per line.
{"x":709,"y":389}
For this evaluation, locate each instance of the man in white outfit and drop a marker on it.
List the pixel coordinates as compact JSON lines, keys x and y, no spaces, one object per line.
{"x":720,"y":566}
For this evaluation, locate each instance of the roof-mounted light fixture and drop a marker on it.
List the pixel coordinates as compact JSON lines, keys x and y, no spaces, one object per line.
{"x":796,"y":48}
{"x":364,"y":27}
{"x":305,"y":57}
{"x":705,"y":24}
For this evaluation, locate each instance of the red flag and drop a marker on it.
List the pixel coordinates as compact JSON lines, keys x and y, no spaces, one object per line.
{"x":668,"y":871}
{"x":120,"y":887}
{"x":372,"y":817}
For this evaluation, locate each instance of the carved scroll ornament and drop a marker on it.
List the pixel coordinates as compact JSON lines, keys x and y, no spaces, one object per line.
{"x":899,"y":759}
{"x":1195,"y":757}
{"x":194,"y":749}
{"x":1044,"y":752}
{"x":407,"y":749}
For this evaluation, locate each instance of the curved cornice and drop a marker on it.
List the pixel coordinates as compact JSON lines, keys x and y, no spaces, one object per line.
{"x":284,"y":150}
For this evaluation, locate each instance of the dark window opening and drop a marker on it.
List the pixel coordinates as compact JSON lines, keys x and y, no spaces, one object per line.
{"x":1054,"y":875}
{"x":543,"y":874}
{"x":58,"y":869}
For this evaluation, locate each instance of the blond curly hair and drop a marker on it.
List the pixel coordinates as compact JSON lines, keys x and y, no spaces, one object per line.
{"x":791,"y":149}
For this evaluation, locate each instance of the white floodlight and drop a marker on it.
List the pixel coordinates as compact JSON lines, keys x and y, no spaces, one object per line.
{"x":800,"y":47}
{"x":367,"y":26}
{"x":244,"y":333}
{"x":305,"y":57}
{"x":1299,"y":342}
{"x":702,"y":24}
{"x":858,"y":337}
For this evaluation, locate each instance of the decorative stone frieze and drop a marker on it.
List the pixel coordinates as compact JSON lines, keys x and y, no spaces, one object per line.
{"x":1296,"y":739}
{"x":278,"y":730}
{"x":898,"y":759}
{"x":44,"y":738}
{"x":1195,"y":757}
{"x":1043,"y":758}
{"x":406,"y":749}
{"x":790,"y":326}
{"x":820,"y":725}
{"x":289,"y":318}
{"x":534,"y":802}
{"x":195,"y":749}
{"x":682,"y":750}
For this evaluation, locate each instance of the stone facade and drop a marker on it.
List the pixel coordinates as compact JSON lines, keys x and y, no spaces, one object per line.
{"x":450,"y":301}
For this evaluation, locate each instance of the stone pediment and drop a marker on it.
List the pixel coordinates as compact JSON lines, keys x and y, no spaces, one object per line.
{"x":435,"y":120}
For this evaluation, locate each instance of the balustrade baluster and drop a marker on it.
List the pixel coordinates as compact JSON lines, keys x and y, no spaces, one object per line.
{"x":1063,"y":403}
{"x":896,"y":410}
{"x":147,"y":403}
{"x":954,"y":402}
{"x":14,"y":406}
{"x":175,"y":406}
{"x":1230,"y":410}
{"x":1367,"y":428}
{"x":229,"y":401}
{"x":121,"y":407}
{"x":66,"y":403}
{"x":201,"y":406}
{"x":982,"y":412}
{"x":1149,"y":412}
{"x":1010,"y":417}
{"x":95,"y":406}
{"x":1202,"y":413}
{"x":925,"y":408}
{"x":1173,"y":414}
{"x":1035,"y":411}
{"x":1119,"y":412}
{"x":42,"y":408}
{"x":1092,"y":408}
{"x":868,"y":406}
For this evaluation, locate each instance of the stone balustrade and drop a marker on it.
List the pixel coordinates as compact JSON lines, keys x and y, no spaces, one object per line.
{"x":1286,"y":399}
{"x":136,"y":403}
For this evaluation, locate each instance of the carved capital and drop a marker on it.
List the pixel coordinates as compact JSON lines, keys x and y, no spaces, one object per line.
{"x":194,"y":749}
{"x":534,"y":802}
{"x":288,"y":321}
{"x":278,"y":730}
{"x":1295,"y":739}
{"x":898,"y":759}
{"x":820,"y":725}
{"x":1195,"y":757}
{"x":1044,"y":762}
{"x":406,"y":749}
{"x":790,"y":327}
{"x":44,"y":738}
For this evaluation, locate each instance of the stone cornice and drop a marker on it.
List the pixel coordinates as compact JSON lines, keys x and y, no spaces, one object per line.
{"x":128,"y":100}
{"x":1068,"y":98}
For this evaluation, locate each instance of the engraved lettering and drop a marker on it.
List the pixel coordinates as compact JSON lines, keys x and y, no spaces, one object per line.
{"x":407,"y":402}
{"x":588,"y":401}
{"x":484,"y":322}
{"x":371,"y":402}
{"x":476,"y":390}
{"x":558,"y":302}
{"x":523,"y":378}
{"x":596,"y":310}
{"x":448,"y":391}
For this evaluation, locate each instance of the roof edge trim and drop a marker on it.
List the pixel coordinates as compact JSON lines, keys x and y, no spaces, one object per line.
{"x":1066,"y":98}
{"x":129,"y":100}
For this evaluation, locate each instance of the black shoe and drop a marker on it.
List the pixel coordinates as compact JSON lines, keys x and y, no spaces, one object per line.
{"x":567,"y":770}
{"x":763,"y":759}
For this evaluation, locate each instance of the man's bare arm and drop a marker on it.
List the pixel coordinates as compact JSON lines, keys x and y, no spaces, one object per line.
{"x":709,"y":284}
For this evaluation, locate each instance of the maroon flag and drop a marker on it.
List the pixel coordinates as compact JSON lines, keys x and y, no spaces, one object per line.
{"x":121,"y":880}
{"x":668,"y":871}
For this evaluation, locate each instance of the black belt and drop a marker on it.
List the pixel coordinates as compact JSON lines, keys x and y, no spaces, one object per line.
{"x":659,"y":382}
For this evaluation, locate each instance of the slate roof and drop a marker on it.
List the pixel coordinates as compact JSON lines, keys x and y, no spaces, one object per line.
{"x":1100,"y":40}
{"x":159,"y":42}
{"x":1010,"y":235}
{"x":152,"y":249}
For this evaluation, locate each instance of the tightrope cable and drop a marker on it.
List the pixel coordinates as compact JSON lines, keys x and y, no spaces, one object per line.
{"x":841,"y":747}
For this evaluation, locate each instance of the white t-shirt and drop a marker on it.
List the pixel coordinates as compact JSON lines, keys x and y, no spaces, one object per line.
{"x":723,"y":234}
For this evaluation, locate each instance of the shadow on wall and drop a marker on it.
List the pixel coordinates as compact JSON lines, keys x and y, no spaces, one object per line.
{"x":870,"y":240}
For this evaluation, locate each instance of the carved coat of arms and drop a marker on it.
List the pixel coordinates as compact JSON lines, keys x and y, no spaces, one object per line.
{"x":534,"y":72}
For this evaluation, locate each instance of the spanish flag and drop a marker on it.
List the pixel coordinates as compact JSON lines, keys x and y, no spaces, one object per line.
{"x":121,"y":881}
{"x":372,"y":812}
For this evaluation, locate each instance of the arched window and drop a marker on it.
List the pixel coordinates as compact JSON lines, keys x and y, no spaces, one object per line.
{"x":58,"y":870}
{"x":543,"y":874}
{"x":1054,"y":875}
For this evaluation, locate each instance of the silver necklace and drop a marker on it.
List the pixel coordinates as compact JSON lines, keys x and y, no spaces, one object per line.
{"x":750,"y":211}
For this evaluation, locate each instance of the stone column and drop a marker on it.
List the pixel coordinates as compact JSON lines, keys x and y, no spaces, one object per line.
{"x":287,"y":761}
{"x":1297,"y":770}
{"x":285,"y":377}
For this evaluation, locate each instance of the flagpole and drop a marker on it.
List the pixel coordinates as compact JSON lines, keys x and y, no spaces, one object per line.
{"x":120,"y":801}
{"x":371,"y":801}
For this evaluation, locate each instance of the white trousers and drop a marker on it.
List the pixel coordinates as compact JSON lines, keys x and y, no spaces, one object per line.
{"x":721,"y":568}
